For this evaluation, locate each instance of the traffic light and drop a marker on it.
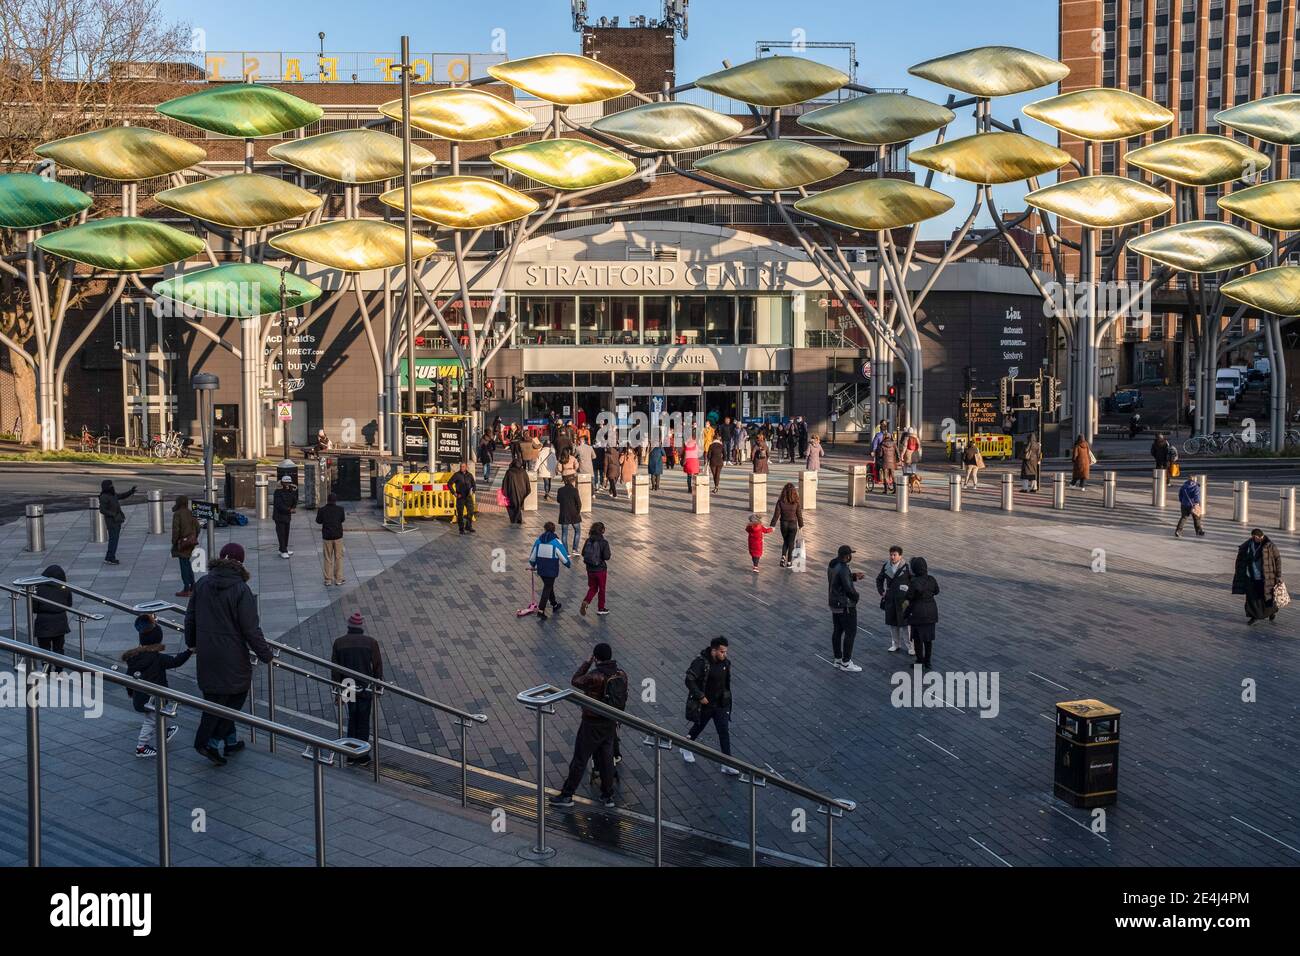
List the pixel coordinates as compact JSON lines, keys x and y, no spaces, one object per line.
{"x":1038,"y":393}
{"x":892,"y":394}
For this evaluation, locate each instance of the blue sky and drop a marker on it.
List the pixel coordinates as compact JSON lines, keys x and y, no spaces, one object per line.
{"x":890,"y":37}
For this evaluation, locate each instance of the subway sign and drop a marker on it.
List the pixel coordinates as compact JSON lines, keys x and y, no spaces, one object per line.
{"x":429,"y":370}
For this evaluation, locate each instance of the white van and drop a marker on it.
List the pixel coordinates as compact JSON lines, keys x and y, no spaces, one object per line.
{"x":1234,"y":379}
{"x":1262,"y":365}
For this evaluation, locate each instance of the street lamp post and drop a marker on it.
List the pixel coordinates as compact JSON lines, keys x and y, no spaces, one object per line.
{"x":205,"y":386}
{"x":284,"y":368}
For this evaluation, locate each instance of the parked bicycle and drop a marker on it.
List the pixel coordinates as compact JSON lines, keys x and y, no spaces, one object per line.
{"x":171,"y":445}
{"x":1217,"y":443}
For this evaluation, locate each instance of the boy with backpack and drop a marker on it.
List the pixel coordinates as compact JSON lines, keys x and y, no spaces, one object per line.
{"x":148,"y":662}
{"x":600,"y":678}
{"x":596,"y":555}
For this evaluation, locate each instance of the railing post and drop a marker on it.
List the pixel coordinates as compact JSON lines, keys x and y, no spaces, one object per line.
{"x":541,"y":851}
{"x":753,"y":821}
{"x":270,"y":699}
{"x":31,"y":702}
{"x":164,"y":796}
{"x":830,"y":836}
{"x":659,"y":804}
{"x":464,"y":763}
{"x":318,"y":781}
{"x":13,"y":620}
{"x":81,"y":635}
{"x":374,"y":732}
{"x":338,"y":716}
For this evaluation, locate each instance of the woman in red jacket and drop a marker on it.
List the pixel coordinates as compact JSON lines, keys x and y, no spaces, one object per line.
{"x":690,"y":464}
{"x":756,"y":529}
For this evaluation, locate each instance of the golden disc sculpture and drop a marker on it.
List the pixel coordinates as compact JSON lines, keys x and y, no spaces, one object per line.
{"x":123,"y":153}
{"x":464,"y":202}
{"x":878,"y":119}
{"x":122,"y":244}
{"x":1274,"y":205}
{"x":875,"y":204}
{"x":774,"y":164}
{"x":1274,"y":119}
{"x":243,"y":110}
{"x":991,"y":158}
{"x":1270,"y":290}
{"x":669,"y":126}
{"x":464,"y":115}
{"x":1101,"y":115}
{"x":992,"y":71}
{"x":563,"y":78}
{"x":351,"y":155}
{"x":1199,"y":159}
{"x":353,"y":245}
{"x":1102,"y":202}
{"x":241,"y":200}
{"x":241,"y":290}
{"x":1201,"y":246}
{"x":774,"y":81}
{"x":29,"y":201}
{"x":565,"y":163}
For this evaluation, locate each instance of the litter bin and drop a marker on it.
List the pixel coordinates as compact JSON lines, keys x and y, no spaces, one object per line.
{"x":1087,"y":753}
{"x":347,"y":481}
{"x":286,"y":467}
{"x":241,"y":475}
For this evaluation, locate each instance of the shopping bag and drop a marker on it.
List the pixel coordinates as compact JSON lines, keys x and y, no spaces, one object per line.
{"x":503,"y":500}
{"x":1281,"y":597}
{"x":1175,"y":470}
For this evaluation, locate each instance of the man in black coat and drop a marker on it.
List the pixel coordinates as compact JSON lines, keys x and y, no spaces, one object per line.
{"x":708,"y":697}
{"x":50,"y":620}
{"x":283,"y":503}
{"x":110,"y":506}
{"x":894,"y":572}
{"x":517,"y":487}
{"x":358,"y":651}
{"x":331,"y":518}
{"x":597,"y":734}
{"x":461,"y":487}
{"x":844,"y":609}
{"x":570,"y":512}
{"x":222,"y":627}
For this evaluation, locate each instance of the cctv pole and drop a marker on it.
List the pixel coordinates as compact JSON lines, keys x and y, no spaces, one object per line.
{"x":205,"y":387}
{"x":407,"y":230}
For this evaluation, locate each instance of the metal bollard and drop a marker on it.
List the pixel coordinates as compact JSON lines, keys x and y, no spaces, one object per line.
{"x":1158,"y":488}
{"x":639,"y":492}
{"x":35,"y":529}
{"x":156,"y":525}
{"x":1108,"y":490}
{"x":902,"y":496}
{"x":1008,"y":501}
{"x":808,"y":490}
{"x":758,"y":494}
{"x":584,"y":494}
{"x":1241,"y":502}
{"x":857,"y":486}
{"x":98,"y":530}
{"x":259,"y":489}
{"x":954,"y":492}
{"x":1286,"y":509}
{"x":1204,"y":482}
{"x":1058,"y":491}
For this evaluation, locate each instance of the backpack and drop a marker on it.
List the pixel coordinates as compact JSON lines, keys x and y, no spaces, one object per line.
{"x":616,"y":690}
{"x":591,"y":552}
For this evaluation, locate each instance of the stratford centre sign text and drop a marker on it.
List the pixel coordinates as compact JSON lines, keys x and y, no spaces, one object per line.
{"x":654,"y":276}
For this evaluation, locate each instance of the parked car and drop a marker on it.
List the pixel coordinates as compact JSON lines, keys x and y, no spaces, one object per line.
{"x":1126,"y":400}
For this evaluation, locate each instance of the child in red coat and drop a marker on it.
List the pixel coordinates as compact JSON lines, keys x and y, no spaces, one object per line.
{"x":756,"y":529}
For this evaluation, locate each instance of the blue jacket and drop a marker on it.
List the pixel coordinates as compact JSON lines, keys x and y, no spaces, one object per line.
{"x":548,"y":551}
{"x":1189,"y":494}
{"x":655,"y":464}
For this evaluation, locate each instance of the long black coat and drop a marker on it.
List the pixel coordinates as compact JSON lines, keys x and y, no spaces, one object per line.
{"x":50,"y":621}
{"x":221,"y":623}
{"x":888,"y":590}
{"x":570,"y":505}
{"x":516,"y":485}
{"x":919,"y":594}
{"x":1270,"y":559}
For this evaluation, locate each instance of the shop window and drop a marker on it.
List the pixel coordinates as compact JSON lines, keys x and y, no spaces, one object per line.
{"x":705,"y":320}
{"x":609,"y":320}
{"x":766,"y":320}
{"x":658,"y":320}
{"x":548,"y":380}
{"x":547,"y":320}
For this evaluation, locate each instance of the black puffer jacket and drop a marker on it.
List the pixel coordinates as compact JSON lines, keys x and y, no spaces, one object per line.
{"x":148,"y":662}
{"x":842,"y":594}
{"x":697,"y":680}
{"x":221,"y":623}
{"x":50,"y":621}
{"x":918,"y":595}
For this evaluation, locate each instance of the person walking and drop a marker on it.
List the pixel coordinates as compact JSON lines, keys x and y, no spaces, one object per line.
{"x":567,"y":465}
{"x":1081,"y":459}
{"x":595,"y":557}
{"x":283,"y":504}
{"x":708,"y":697}
{"x":1258,"y":575}
{"x":601,"y":454}
{"x":110,"y":506}
{"x":185,"y":538}
{"x":547,"y":555}
{"x":755,"y":531}
{"x":690,"y":463}
{"x":788,"y":516}
{"x":801,"y":434}
{"x":487,"y":447}
{"x":461,"y":485}
{"x":570,"y":504}
{"x":613,"y":469}
{"x":585,"y":456}
{"x":1189,"y":505}
{"x":517,"y":488}
{"x":888,"y":452}
{"x":840,"y":579}
{"x":530,"y":449}
{"x":148,"y":662}
{"x":546,"y":466}
{"x":972,"y":460}
{"x":655,"y":466}
{"x":894,"y":572}
{"x":1163,"y":456}
{"x":49,"y":617}
{"x":920,"y":610}
{"x":717,"y":455}
{"x":1031,"y":463}
{"x":761,"y":456}
{"x":628,"y":465}
{"x":223,"y":628}
{"x":330,"y":517}
{"x":600,"y":678}
{"x":813,"y":461}
{"x":358,"y":651}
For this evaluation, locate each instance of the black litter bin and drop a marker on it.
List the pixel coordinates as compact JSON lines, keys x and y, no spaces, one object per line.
{"x":1087,"y":753}
{"x":286,"y":468}
{"x":241,"y":483}
{"x":347,"y":478}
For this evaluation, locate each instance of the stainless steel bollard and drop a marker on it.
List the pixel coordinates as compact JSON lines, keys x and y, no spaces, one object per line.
{"x":1008,"y":500}
{"x":808,"y":490}
{"x":1286,"y":509}
{"x":35,"y":528}
{"x":758,"y":494}
{"x":156,"y":525}
{"x":98,"y":530}
{"x":1241,"y":502}
{"x":857,"y":486}
{"x":640,"y":494}
{"x":1204,"y":482}
{"x":1058,"y":491}
{"x":1108,"y":490}
{"x":259,"y":489}
{"x":1158,"y":488}
{"x":902,"y":496}
{"x":954,"y":492}
{"x":584,"y":494}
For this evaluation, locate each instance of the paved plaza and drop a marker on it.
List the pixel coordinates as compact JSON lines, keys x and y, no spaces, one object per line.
{"x":1085,"y":603}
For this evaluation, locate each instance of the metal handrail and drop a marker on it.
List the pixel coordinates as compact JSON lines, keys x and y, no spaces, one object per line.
{"x":81,"y":616}
{"x":543,"y":698}
{"x":343,"y":747}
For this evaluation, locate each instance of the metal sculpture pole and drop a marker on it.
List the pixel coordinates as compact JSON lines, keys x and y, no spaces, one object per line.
{"x":408,"y":289}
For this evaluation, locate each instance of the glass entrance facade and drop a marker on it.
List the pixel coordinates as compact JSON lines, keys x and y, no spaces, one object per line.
{"x":748,"y":395}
